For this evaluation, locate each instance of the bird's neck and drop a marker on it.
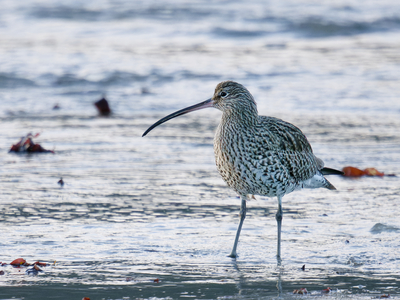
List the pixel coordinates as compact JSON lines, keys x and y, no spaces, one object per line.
{"x":240,"y":117}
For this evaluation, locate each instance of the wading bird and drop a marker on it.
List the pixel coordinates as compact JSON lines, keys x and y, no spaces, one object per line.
{"x":258,"y":155}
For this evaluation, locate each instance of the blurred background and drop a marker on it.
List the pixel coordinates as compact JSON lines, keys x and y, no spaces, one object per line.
{"x":150,"y":217}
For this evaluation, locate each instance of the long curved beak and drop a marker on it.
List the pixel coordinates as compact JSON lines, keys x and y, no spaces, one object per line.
{"x":204,"y":104}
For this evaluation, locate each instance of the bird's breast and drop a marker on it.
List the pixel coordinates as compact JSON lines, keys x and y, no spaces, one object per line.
{"x":228,"y":157}
{"x":235,"y":162}
{"x":247,"y":164}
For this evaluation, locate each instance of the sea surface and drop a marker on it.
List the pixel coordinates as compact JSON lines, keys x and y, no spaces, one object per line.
{"x":150,"y":217}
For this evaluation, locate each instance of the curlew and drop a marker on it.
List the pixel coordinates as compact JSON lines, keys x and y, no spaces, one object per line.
{"x":258,"y":155}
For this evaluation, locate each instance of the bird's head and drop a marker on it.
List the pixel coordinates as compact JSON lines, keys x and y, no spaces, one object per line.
{"x":229,"y":97}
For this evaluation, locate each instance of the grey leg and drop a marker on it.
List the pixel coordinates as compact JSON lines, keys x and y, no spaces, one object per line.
{"x":279,"y":216}
{"x":242,"y":217}
{"x":279,"y":283}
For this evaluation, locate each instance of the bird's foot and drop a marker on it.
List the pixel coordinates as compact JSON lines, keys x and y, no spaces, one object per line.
{"x":233,"y":255}
{"x":279,"y":260}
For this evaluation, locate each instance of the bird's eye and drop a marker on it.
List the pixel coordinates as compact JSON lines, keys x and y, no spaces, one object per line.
{"x":223,"y":94}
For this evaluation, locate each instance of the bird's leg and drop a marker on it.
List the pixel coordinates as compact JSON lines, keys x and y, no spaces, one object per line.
{"x":242,"y":217}
{"x":279,"y":216}
{"x":279,"y":283}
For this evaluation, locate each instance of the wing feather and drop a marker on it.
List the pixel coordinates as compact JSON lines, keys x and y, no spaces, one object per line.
{"x":287,"y":142}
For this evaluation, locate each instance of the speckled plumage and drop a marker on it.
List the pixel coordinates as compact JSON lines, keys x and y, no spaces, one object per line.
{"x":261,"y":155}
{"x":258,"y":155}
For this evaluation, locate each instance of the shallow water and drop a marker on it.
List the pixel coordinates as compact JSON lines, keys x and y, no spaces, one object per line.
{"x":134,"y":210}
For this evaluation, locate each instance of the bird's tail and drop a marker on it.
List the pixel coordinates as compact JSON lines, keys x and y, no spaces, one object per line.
{"x":329,"y":185}
{"x":329,"y":171}
{"x":318,"y":181}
